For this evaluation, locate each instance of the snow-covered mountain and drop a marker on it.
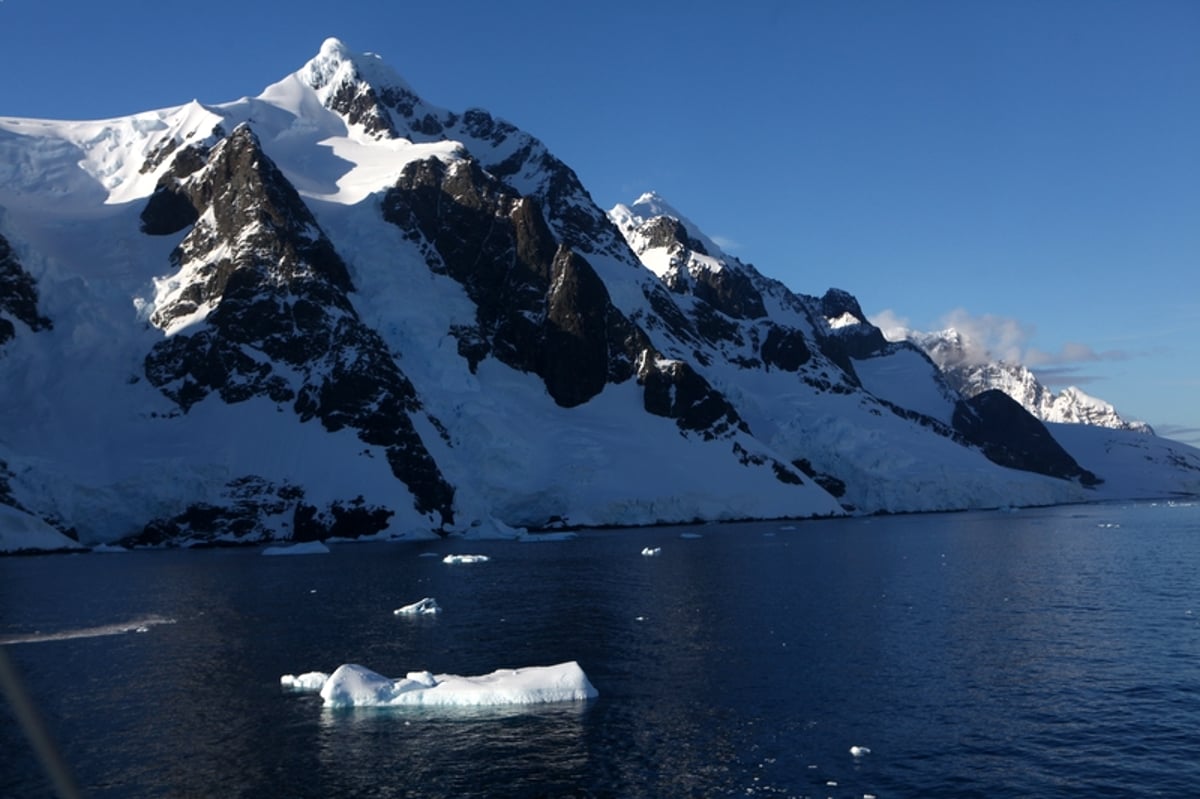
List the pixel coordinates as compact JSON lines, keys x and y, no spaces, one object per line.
{"x":335,"y":310}
{"x":971,"y":376}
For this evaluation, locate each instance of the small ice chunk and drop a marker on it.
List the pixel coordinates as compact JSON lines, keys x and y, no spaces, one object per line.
{"x":859,"y":751}
{"x":424,"y":607}
{"x":352,"y":685}
{"x":305,"y":548}
{"x":466,"y":559}
{"x":651,"y":552}
{"x":309,"y":682}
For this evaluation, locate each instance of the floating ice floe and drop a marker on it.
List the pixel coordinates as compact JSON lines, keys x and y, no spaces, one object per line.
{"x":651,"y":552}
{"x":466,"y":559}
{"x":351,"y":685}
{"x":425,"y":607}
{"x":309,"y":682}
{"x":306,"y":548}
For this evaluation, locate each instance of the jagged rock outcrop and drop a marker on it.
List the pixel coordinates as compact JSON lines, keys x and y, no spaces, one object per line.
{"x":254,"y":510}
{"x":18,"y":296}
{"x":271,"y":291}
{"x":541,"y":307}
{"x":852,"y":336}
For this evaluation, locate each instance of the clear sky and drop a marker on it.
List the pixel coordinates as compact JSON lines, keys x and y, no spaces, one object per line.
{"x":1028,"y":168}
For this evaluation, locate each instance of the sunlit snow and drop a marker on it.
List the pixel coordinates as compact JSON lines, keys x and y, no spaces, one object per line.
{"x":422,"y":607}
{"x":351,"y":685}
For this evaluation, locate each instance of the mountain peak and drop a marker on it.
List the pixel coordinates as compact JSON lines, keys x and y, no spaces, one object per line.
{"x":335,"y":64}
{"x":651,"y":205}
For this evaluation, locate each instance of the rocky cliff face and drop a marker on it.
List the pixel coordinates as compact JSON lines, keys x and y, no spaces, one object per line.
{"x":258,"y":307}
{"x":345,"y":312}
{"x":18,"y":296}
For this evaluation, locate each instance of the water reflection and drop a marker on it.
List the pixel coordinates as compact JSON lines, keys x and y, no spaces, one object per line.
{"x":466,"y":752}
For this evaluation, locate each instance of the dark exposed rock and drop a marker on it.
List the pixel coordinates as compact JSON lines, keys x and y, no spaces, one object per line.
{"x":729,"y":291}
{"x":482,"y":125}
{"x":18,"y":296}
{"x":861,"y":340}
{"x":159,"y":155}
{"x":355,"y":519}
{"x":540,"y":307}
{"x":1011,"y":436}
{"x":667,"y":231}
{"x":281,"y":325}
{"x":358,"y":102}
{"x":716,"y":327}
{"x":785,"y":349}
{"x":575,"y":342}
{"x":167,"y":211}
{"x":254,"y":511}
{"x":832,"y":485}
{"x":675,"y":390}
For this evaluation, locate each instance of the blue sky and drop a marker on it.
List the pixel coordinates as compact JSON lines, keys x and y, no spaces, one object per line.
{"x":1030,"y":168}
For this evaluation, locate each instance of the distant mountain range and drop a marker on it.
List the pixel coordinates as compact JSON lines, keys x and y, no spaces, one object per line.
{"x":969,"y":377}
{"x":336,"y":311}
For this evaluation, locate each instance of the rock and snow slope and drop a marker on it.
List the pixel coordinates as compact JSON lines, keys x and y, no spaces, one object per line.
{"x":336,"y":310}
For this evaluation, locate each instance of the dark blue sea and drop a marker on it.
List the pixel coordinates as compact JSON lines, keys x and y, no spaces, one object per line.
{"x":1037,"y":653}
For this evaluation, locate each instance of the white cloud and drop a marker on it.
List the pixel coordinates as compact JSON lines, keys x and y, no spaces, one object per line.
{"x":893,"y":326}
{"x":725,"y":243}
{"x":990,"y":337}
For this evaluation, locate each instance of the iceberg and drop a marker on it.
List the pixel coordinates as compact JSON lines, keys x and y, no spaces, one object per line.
{"x":308,"y":683}
{"x":466,"y":559}
{"x":423,"y":607}
{"x":351,"y":685}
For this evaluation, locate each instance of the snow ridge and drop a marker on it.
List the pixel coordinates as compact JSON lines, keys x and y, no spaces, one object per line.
{"x":333,"y":310}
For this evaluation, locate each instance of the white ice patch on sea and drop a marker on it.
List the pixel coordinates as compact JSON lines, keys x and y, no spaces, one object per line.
{"x":424,"y":607}
{"x":465,"y":559}
{"x":351,"y":685}
{"x":651,"y":552}
{"x":309,"y":682}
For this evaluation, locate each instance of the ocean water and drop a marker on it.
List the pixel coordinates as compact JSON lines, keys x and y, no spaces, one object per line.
{"x":1051,"y":652}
